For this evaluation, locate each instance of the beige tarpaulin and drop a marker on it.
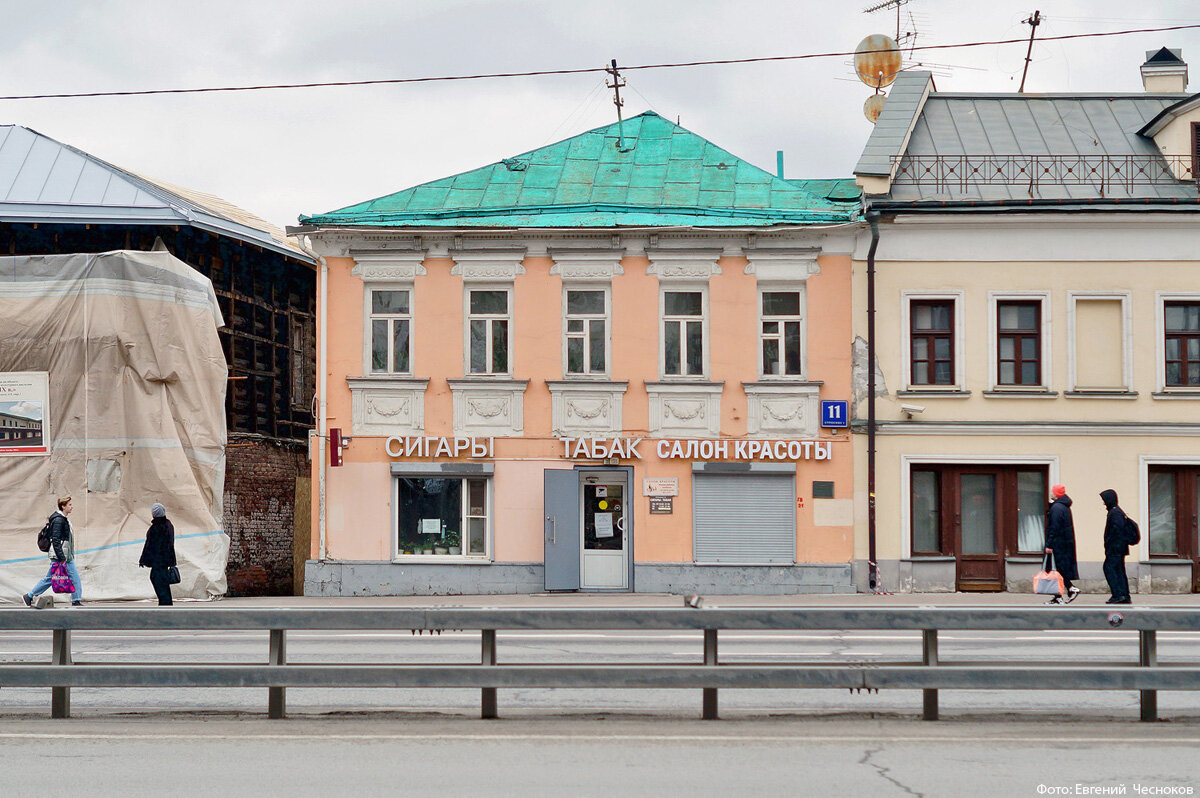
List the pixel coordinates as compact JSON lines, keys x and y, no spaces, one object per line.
{"x":137,"y":385}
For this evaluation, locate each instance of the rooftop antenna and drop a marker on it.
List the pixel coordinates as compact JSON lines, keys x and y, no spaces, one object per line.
{"x":888,"y":4}
{"x":1033,"y":21}
{"x":617,"y":83}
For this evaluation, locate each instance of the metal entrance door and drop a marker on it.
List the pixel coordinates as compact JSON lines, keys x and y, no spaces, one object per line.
{"x":604,"y":514}
{"x":561,"y":497}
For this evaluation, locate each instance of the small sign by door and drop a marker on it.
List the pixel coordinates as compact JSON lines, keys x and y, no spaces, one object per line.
{"x":661,"y":505}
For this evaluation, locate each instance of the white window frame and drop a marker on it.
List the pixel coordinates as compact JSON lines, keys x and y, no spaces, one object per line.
{"x":489,"y":499}
{"x":369,"y":317}
{"x":906,"y":300}
{"x":784,"y":288}
{"x":1073,"y":299}
{"x":606,"y":290}
{"x":706,"y":340}
{"x":996,"y":297}
{"x":907,"y":461}
{"x":468,"y":289}
{"x":1161,"y":298}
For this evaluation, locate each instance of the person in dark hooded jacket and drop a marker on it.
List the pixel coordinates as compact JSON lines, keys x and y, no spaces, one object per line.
{"x":1060,"y":541}
{"x":1116,"y":548}
{"x":159,"y":553}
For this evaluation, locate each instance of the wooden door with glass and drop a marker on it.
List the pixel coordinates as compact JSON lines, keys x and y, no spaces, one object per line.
{"x":1174,"y":495}
{"x":980,"y":515}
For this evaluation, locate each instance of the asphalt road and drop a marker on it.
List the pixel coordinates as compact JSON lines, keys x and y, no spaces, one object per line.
{"x":607,"y":648}
{"x":380,"y":755}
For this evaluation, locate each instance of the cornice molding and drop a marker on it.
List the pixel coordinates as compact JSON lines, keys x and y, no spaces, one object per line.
{"x":482,"y":265}
{"x":684,"y":264}
{"x":388,"y":266}
{"x":782,"y":265}
{"x":587,"y":264}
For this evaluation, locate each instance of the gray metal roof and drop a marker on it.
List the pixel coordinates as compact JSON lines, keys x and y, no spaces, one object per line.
{"x":43,"y":180}
{"x":892,"y":128}
{"x":1082,"y":131}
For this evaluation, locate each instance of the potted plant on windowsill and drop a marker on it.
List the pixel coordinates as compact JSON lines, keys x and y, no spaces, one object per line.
{"x":452,"y":542}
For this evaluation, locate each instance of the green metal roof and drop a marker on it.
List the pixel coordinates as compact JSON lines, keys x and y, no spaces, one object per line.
{"x":661,"y":175}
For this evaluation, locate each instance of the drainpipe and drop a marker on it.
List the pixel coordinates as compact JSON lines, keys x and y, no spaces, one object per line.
{"x":322,"y":407}
{"x":872,"y":567}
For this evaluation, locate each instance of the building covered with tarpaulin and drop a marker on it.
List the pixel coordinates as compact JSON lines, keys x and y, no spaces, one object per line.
{"x":58,"y":199}
{"x":116,"y":359}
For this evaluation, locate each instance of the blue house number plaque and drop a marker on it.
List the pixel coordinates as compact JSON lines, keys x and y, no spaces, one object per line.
{"x":835,"y":414}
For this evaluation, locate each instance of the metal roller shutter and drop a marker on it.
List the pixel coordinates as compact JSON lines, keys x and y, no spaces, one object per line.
{"x":744,"y":518}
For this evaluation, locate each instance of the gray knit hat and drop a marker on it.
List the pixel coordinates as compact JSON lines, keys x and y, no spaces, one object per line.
{"x":158,"y":511}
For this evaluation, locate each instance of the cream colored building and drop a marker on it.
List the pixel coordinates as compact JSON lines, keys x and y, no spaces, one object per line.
{"x":1036,"y":297}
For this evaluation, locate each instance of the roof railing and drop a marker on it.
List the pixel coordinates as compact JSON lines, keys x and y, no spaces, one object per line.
{"x":1103,"y":172}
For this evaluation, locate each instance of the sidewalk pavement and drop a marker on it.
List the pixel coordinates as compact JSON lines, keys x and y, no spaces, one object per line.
{"x":658,"y":600}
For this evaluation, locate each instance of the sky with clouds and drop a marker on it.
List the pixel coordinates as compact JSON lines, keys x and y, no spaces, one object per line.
{"x":28,"y":409}
{"x":286,"y":152}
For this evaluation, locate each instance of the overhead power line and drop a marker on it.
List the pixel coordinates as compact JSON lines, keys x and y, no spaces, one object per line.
{"x":580,"y":71}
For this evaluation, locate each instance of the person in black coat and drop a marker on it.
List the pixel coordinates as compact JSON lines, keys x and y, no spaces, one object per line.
{"x":1116,"y":548}
{"x":1060,"y":541}
{"x":159,"y":553}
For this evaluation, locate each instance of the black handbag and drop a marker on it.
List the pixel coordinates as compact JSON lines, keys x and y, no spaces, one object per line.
{"x":172,"y":575}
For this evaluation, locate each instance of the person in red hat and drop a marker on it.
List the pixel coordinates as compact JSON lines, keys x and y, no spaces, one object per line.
{"x":1060,"y":541}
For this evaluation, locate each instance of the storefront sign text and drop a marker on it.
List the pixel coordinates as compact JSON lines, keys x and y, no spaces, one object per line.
{"x":671,"y":449}
{"x":474,"y":448}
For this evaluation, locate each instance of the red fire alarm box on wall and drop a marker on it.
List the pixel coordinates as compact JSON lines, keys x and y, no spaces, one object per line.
{"x":335,"y":446}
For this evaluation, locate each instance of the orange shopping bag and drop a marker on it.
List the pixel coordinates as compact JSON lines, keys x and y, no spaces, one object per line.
{"x":1048,"y":581}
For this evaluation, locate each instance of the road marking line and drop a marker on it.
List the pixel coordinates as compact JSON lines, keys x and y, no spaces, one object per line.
{"x":873,"y":739}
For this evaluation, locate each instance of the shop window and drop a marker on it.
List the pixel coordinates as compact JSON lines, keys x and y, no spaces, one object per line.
{"x":931,"y":341}
{"x":586,"y":336}
{"x":391,"y":322}
{"x":782,"y":333}
{"x":1181,"y":344}
{"x":488,"y":323}
{"x":926,"y":513}
{"x":977,"y":509}
{"x":683,"y":333}
{"x":441,"y":515}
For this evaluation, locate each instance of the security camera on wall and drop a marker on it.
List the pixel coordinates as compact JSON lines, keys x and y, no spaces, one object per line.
{"x":910,"y":410}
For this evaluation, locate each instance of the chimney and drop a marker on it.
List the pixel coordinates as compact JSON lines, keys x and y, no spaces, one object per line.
{"x":1165,"y":72}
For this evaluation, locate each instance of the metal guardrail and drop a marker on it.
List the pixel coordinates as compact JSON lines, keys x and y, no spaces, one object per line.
{"x":930,"y":674}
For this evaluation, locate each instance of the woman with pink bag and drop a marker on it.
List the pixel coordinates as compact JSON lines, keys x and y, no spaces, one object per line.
{"x":62,"y":557}
{"x":1060,"y":543}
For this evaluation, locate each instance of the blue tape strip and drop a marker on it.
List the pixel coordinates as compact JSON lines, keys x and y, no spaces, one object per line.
{"x":44,"y":557}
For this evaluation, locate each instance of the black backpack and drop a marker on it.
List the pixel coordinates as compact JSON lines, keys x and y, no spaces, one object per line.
{"x":44,"y":535}
{"x":1133,"y":535}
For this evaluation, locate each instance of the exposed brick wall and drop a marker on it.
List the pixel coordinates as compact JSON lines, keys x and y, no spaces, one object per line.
{"x":260,"y":492}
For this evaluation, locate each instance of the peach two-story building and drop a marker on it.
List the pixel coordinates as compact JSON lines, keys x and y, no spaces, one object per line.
{"x":616,"y":363}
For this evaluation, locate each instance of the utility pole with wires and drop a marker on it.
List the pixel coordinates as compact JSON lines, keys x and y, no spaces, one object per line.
{"x":1033,"y":21}
{"x":617,"y":84}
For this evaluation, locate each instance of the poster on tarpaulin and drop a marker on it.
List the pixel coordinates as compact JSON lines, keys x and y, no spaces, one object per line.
{"x":24,"y":413}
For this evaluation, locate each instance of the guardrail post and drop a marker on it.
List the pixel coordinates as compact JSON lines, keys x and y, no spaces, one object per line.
{"x":709,"y":710}
{"x":488,"y":657}
{"x":277,"y":696}
{"x":1148,"y":658}
{"x":929,"y":656}
{"x":60,"y":654}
